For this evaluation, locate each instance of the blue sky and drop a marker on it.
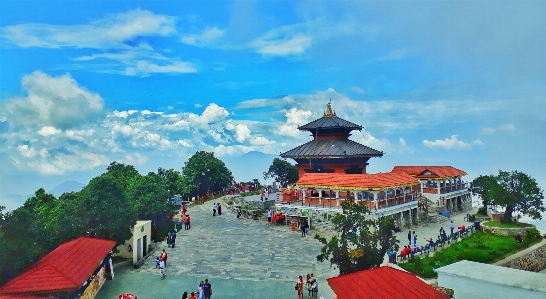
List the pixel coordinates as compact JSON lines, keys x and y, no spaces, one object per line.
{"x":149,"y":83}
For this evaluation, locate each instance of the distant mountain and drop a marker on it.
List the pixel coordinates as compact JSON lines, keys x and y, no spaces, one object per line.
{"x":67,"y":186}
{"x":249,"y":166}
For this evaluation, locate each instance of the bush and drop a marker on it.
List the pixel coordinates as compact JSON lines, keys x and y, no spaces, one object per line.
{"x":482,"y":211}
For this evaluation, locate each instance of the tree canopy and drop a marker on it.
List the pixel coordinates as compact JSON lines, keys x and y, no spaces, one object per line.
{"x":204,"y":173}
{"x":514,"y":191}
{"x":282,"y":172}
{"x":362,"y":242}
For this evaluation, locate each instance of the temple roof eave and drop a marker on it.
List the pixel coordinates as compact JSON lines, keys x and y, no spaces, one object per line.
{"x":330,"y":157}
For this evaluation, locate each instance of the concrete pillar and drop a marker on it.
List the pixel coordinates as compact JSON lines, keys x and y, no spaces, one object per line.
{"x":319,"y":196}
{"x":337,"y":198}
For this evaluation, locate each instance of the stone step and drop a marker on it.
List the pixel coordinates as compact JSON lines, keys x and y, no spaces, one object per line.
{"x":436,"y":218}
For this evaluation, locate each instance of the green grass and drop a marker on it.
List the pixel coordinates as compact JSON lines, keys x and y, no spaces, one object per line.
{"x":479,"y":247}
{"x":506,"y":225}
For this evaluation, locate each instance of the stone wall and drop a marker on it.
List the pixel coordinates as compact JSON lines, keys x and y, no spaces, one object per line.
{"x":250,"y":204}
{"x":534,"y":261}
{"x":506,"y":231}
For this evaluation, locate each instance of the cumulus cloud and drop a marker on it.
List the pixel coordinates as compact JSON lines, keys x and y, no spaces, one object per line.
{"x":58,"y":102}
{"x":47,"y":130}
{"x":452,"y":143}
{"x":294,"y":118}
{"x":46,"y":163}
{"x":403,"y":148}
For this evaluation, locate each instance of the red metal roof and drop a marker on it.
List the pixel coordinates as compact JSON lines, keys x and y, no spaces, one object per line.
{"x":64,"y":269}
{"x":430,"y":172}
{"x":340,"y":181}
{"x":23,"y":297}
{"x":382,"y":282}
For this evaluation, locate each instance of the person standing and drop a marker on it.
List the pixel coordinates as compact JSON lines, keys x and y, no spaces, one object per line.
{"x":163,"y":257}
{"x":214,"y":209}
{"x":308,"y":285}
{"x":452,"y":226}
{"x":201,"y":290}
{"x":207,"y":289}
{"x":187,"y":223}
{"x":219,"y":207}
{"x":299,"y":287}
{"x":173,"y":238}
{"x":268,"y":216}
{"x":409,"y":237}
{"x":414,"y":238}
{"x":161,"y":269}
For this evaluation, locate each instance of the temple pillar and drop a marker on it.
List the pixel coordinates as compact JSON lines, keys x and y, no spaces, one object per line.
{"x":337,"y":198}
{"x":320,"y":196}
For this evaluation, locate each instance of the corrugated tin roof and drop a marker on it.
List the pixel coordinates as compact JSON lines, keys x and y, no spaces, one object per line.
{"x":430,"y":172}
{"x":331,"y":147}
{"x":380,"y":283}
{"x":332,"y":122}
{"x":340,"y":181}
{"x":64,"y":269}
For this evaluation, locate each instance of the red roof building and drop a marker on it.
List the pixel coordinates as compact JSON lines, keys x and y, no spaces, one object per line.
{"x":380,"y":283}
{"x":63,"y":270}
{"x":430,"y":172}
{"x":443,"y":186}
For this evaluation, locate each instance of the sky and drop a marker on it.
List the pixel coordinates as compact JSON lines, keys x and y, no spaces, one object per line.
{"x":149,"y":83}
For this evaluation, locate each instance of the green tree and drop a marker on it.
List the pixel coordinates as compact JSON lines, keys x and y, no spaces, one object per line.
{"x":149,"y":196}
{"x":204,"y":173}
{"x":101,"y":210}
{"x":359,"y":246}
{"x":122,"y":173}
{"x":282,"y":172}
{"x":515,"y":191}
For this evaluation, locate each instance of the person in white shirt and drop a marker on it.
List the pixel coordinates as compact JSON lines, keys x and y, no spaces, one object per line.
{"x":161,"y":269}
{"x":214,"y":209}
{"x":452,"y":226}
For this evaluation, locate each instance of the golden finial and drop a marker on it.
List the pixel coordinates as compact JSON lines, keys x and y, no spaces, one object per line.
{"x":329,"y":112}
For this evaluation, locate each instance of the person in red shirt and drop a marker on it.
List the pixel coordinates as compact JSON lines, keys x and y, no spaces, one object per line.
{"x":192,"y":295}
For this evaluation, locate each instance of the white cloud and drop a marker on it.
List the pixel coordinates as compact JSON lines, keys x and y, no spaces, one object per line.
{"x":364,"y":137}
{"x":452,"y":143}
{"x":185,"y":143}
{"x":259,"y":140}
{"x":48,"y":130}
{"x":358,"y":90}
{"x":207,"y":37}
{"x":111,"y":32}
{"x":144,"y":68}
{"x":57,"y":102}
{"x":231,"y":150}
{"x":403,"y":148}
{"x":294,"y":118}
{"x":478,"y":143}
{"x":273,"y":44}
{"x":501,"y":128}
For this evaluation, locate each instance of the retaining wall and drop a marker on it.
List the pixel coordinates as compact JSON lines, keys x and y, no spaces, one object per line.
{"x":499,"y":231}
{"x":534,"y":261}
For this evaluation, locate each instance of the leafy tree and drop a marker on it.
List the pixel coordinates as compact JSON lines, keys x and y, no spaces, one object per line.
{"x":282,"y":172}
{"x":101,"y":210}
{"x":514,"y":191}
{"x":357,"y":247}
{"x":122,"y":173}
{"x":149,"y":197}
{"x":204,"y":173}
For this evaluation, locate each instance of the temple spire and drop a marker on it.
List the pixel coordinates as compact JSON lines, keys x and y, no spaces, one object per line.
{"x":328,"y":112}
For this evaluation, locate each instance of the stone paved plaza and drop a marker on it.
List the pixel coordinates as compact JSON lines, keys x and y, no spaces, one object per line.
{"x":242,"y":258}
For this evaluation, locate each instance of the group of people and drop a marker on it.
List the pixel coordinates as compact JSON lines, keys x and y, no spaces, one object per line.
{"x":204,"y":291}
{"x":185,"y":218}
{"x":216,"y":208}
{"x":171,"y":238}
{"x":275,"y":218}
{"x":311,"y":285}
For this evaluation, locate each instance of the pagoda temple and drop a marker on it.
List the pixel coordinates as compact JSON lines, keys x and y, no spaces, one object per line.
{"x":331,"y":150}
{"x":332,"y":168}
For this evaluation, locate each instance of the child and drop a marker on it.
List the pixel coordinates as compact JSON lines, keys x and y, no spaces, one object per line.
{"x":157,"y":262}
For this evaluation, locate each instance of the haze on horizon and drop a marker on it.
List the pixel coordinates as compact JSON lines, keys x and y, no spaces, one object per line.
{"x":150,"y":83}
